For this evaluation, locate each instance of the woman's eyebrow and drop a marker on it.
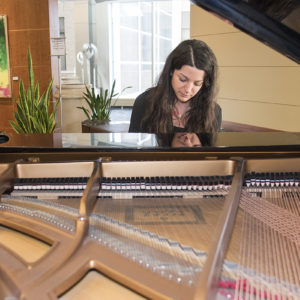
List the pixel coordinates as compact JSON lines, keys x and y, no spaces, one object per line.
{"x":183,"y":75}
{"x":201,"y":80}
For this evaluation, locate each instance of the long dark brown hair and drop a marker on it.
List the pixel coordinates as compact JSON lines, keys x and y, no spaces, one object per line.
{"x":161,"y":98}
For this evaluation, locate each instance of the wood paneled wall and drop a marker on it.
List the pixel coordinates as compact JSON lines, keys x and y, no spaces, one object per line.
{"x":28,"y":27}
{"x":258,"y":86}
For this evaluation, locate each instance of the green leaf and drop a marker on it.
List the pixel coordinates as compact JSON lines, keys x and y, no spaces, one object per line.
{"x":30,"y":73}
{"x":99,"y":106}
{"x":32,"y":111}
{"x":112,"y":89}
{"x":37,"y":93}
{"x":39,"y":127}
{"x":85,"y":111}
{"x":20,"y":118}
{"x":15,"y":127}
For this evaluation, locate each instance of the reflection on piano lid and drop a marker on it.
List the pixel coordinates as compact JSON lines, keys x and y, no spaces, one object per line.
{"x":138,"y":143}
{"x":185,"y":139}
{"x":274,"y":22}
{"x":143,"y":141}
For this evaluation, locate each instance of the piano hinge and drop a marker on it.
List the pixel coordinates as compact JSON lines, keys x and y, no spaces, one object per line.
{"x":105,"y":158}
{"x":211,"y":157}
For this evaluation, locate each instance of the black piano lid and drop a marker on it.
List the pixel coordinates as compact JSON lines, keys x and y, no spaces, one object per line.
{"x":255,"y":17}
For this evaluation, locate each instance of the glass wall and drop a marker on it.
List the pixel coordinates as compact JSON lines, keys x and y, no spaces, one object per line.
{"x":126,"y":41}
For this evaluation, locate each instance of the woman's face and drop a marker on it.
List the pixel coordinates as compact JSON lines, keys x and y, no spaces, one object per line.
{"x":185,"y":139}
{"x":186,"y":82}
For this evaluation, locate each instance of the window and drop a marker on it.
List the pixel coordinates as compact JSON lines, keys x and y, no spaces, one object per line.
{"x":143,"y":33}
{"x":63,"y":65}
{"x":132,"y":39}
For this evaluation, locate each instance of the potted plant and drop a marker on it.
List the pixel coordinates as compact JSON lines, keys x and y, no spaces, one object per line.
{"x":99,"y":106}
{"x":32,"y":114}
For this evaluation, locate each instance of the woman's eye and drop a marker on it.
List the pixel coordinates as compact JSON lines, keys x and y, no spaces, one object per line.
{"x":182,"y":79}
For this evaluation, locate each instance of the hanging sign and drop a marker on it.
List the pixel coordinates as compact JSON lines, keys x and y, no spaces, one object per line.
{"x":58,"y":46}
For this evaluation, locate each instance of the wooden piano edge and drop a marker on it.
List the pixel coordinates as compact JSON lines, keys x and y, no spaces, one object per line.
{"x":193,"y":154}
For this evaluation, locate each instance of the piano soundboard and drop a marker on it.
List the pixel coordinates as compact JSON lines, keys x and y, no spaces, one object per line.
{"x":161,"y":229}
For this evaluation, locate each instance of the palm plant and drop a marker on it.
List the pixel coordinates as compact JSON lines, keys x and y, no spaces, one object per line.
{"x":32,"y":114}
{"x":99,"y":105}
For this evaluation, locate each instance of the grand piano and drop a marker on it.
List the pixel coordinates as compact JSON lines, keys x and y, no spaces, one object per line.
{"x":130,"y":216}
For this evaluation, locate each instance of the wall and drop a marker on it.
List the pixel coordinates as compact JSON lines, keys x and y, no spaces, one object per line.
{"x":28,"y":27}
{"x":258,"y":86}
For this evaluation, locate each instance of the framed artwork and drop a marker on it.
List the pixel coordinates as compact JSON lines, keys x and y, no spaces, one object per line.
{"x":5,"y":84}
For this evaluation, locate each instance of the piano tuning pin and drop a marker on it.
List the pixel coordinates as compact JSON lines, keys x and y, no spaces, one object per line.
{"x":33,"y":159}
{"x":190,"y":282}
{"x":179,"y":280}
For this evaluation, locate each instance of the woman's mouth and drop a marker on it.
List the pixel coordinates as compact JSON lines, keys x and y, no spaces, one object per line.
{"x":184,"y":95}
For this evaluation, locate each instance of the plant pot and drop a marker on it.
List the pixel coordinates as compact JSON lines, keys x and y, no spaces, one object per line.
{"x":93,"y":126}
{"x":89,"y":126}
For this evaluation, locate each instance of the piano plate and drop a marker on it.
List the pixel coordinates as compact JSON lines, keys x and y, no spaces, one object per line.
{"x":158,"y":247}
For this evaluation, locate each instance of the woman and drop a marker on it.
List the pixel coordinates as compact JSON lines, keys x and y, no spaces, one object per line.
{"x":185,"y":139}
{"x":183,"y":99}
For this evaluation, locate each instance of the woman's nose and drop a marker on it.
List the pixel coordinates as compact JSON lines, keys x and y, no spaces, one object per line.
{"x":187,"y":141}
{"x":188,"y":87}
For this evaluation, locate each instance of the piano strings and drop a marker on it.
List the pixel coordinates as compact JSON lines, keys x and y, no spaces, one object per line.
{"x":143,"y":218}
{"x":154,"y":222}
{"x":269,"y":260}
